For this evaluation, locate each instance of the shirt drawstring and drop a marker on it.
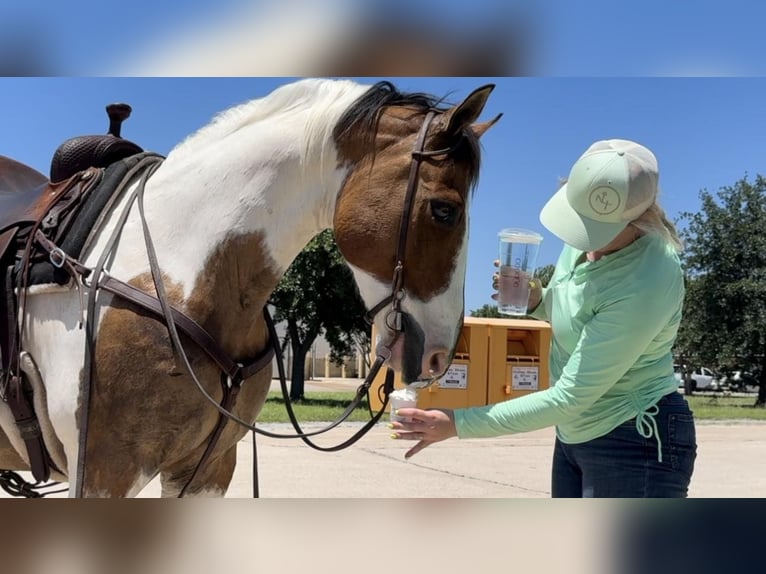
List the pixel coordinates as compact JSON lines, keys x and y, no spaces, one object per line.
{"x":646,"y":426}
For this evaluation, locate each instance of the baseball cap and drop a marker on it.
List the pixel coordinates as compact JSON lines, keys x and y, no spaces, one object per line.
{"x":612,"y":184}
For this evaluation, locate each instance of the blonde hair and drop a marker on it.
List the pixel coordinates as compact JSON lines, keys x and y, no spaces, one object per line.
{"x":654,"y":220}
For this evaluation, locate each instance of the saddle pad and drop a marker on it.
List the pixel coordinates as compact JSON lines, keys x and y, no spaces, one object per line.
{"x":43,"y":272}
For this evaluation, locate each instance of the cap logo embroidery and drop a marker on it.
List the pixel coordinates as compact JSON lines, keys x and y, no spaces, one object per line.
{"x":604,"y":200}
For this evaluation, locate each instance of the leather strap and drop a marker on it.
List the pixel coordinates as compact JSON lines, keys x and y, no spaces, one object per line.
{"x":230,"y":393}
{"x":409,"y":199}
{"x":232,"y":369}
{"x":397,"y":281}
{"x":8,"y":331}
{"x":12,"y":387}
{"x":29,"y":428}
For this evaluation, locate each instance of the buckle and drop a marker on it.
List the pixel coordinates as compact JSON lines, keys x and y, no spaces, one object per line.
{"x":57,"y":257}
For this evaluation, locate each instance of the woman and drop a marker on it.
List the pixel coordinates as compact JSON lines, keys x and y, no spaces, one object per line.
{"x":614,"y":304}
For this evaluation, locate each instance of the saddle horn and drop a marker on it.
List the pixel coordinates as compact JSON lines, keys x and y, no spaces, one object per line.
{"x":118,"y":113}
{"x":80,"y":153}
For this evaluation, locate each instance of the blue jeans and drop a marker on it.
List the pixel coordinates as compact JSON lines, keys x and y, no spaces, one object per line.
{"x":624,"y":464}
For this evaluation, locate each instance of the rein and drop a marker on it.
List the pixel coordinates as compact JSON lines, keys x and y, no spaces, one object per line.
{"x":233,"y":373}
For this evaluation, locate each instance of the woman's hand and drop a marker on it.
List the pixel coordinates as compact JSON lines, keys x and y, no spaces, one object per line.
{"x":535,"y":288}
{"x":427,"y":427}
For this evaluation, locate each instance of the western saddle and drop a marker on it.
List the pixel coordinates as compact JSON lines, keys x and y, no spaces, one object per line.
{"x":34,"y":207}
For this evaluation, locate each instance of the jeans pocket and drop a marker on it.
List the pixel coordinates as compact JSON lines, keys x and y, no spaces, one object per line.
{"x":682,"y":442}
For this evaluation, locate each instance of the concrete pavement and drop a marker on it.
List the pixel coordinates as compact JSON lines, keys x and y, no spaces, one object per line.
{"x":730,"y":463}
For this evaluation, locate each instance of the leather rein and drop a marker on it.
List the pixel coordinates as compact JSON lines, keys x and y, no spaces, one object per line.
{"x":232,"y":373}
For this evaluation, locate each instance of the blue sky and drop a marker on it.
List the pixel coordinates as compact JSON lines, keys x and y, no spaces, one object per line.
{"x":706,"y":133}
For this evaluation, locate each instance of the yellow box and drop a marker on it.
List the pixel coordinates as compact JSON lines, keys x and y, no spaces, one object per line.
{"x":465,"y":382}
{"x":519,"y":354}
{"x":495,"y":360}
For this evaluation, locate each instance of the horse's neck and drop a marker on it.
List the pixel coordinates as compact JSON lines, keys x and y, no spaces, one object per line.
{"x":226,"y":228}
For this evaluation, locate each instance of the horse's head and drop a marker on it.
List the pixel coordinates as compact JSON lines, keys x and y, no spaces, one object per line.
{"x":401,"y":218}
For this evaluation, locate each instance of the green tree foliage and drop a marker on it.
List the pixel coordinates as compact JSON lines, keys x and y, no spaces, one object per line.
{"x":545,"y":274}
{"x":724,"y":323}
{"x":488,"y":310}
{"x":318,"y":296}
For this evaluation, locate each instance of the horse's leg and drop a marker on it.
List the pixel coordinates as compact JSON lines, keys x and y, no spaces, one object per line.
{"x":9,"y":458}
{"x":105,"y":480}
{"x":113,"y":469}
{"x":211,"y":481}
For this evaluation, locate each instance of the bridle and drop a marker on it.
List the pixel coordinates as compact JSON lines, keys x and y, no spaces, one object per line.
{"x":233,"y":374}
{"x":393,"y":318}
{"x":398,"y":293}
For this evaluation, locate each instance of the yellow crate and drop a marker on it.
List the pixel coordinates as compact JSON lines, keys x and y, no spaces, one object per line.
{"x":519,"y":354}
{"x":465,"y":382}
{"x":495,"y":360}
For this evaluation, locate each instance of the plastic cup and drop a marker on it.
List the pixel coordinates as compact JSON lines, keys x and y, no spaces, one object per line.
{"x":518,"y":257}
{"x":400,"y":399}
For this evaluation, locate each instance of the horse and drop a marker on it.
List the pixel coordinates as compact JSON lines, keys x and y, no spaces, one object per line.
{"x":226,"y":212}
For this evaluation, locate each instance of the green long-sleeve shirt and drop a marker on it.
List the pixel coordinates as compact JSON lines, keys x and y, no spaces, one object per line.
{"x":614,"y":322}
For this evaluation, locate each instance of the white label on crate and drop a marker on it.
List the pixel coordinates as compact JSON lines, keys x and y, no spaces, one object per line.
{"x":456,"y":377}
{"x":525,"y":378}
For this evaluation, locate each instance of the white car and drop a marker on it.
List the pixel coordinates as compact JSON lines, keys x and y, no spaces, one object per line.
{"x":702,"y":378}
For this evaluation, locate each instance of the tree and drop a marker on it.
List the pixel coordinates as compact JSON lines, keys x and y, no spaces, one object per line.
{"x":545,"y":274}
{"x":318,"y":296}
{"x":724,"y":321}
{"x":489,"y":310}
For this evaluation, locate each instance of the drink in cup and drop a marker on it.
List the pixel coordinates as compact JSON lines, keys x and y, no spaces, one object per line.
{"x":402,"y":398}
{"x":518,"y":256}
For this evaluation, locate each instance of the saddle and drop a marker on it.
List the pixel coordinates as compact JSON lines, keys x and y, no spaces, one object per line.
{"x":60,"y":209}
{"x":26,"y":194}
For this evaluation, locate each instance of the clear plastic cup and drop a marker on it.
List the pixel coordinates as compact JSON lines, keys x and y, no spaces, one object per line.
{"x":518,"y":257}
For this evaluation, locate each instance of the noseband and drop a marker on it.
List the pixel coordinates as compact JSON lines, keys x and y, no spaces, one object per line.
{"x":394,"y":316}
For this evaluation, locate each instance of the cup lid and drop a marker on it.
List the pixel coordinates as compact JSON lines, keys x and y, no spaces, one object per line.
{"x":519,"y":235}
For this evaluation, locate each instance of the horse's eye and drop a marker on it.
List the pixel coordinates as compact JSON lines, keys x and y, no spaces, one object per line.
{"x":444,"y":212}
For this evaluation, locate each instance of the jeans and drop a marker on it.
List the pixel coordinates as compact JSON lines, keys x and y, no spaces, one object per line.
{"x":624,"y":464}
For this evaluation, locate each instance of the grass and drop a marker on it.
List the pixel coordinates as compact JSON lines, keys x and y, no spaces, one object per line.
{"x":316,"y":406}
{"x":721,"y":407}
{"x":328,"y":406}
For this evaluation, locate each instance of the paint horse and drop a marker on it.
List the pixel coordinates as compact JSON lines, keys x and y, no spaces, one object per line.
{"x":225,"y":214}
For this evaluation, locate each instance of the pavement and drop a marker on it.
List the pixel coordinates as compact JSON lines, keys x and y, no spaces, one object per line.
{"x":730,"y":463}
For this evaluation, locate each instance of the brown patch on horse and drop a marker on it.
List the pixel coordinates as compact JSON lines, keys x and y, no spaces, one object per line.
{"x":9,"y":458}
{"x":147,"y":415}
{"x":382,"y":163}
{"x":433,"y":245}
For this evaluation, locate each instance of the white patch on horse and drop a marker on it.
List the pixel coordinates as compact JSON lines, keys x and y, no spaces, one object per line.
{"x":141,"y":482}
{"x":57,"y":345}
{"x":440,"y":319}
{"x":277,"y":158}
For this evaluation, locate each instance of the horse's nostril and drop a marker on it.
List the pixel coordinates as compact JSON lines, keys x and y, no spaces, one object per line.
{"x":438,"y":362}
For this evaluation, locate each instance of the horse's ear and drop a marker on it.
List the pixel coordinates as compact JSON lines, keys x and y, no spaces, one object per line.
{"x":464,"y":114}
{"x":480,"y":129}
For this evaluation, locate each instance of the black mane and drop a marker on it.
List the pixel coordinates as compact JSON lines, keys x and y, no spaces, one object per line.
{"x":364,"y":114}
{"x":365,"y":111}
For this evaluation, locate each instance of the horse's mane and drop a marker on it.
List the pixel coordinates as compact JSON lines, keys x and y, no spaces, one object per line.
{"x":365,"y":113}
{"x":329,"y":98}
{"x":335,"y":107}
